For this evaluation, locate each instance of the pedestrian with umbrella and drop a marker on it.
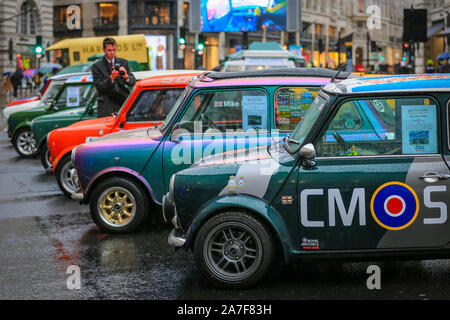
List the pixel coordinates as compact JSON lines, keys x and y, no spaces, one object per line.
{"x":49,"y":68}
{"x":445,"y":66}
{"x":16,"y":80}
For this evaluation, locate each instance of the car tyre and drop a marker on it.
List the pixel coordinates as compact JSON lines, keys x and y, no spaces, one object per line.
{"x":44,"y":154}
{"x":234,"y":250}
{"x":63,"y":176}
{"x":24,"y":143}
{"x":118,"y":206}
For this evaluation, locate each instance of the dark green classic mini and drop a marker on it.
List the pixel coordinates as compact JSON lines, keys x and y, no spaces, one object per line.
{"x":75,"y":93}
{"x":364,"y":175}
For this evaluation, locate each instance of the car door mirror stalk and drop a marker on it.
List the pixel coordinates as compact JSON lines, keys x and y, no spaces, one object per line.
{"x":308,"y":153}
{"x":53,"y":105}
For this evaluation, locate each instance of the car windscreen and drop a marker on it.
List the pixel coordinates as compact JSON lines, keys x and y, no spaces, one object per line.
{"x":307,"y":123}
{"x":176,"y":106}
{"x":51,"y":93}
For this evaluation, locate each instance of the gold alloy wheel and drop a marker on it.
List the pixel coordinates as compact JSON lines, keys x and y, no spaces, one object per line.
{"x":116,"y":206}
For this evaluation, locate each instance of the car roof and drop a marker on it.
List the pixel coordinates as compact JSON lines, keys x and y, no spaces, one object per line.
{"x":293,"y":76}
{"x":281,"y":72}
{"x":81,"y":79}
{"x":66,"y":76}
{"x":168,"y":78}
{"x":397,"y":83}
{"x":139,"y":75}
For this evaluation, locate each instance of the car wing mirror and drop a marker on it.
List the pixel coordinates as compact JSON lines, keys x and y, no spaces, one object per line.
{"x":308,"y":153}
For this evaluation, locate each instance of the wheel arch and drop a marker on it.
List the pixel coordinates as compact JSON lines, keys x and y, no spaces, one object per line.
{"x":257,"y":208}
{"x":119,"y":172}
{"x":41,"y":143}
{"x":21,"y":126}
{"x":62,"y":154}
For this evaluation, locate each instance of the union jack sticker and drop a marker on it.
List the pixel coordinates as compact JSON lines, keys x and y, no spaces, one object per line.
{"x":286,"y":199}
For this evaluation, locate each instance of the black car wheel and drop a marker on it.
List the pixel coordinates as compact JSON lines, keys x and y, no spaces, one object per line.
{"x":118,"y":205}
{"x":24,"y":143}
{"x":44,"y":154}
{"x":234,"y":250}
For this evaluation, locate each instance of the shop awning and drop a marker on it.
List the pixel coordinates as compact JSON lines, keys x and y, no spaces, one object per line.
{"x":435,"y":28}
{"x":444,"y":33}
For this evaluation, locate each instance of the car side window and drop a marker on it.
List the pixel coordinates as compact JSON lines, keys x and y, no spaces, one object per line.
{"x":153,"y":105}
{"x":226,"y":110}
{"x":372,"y":127}
{"x":291,"y":105}
{"x":73,"y":96}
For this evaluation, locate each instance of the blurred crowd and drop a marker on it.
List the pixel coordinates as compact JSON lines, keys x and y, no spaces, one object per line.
{"x":19,"y":83}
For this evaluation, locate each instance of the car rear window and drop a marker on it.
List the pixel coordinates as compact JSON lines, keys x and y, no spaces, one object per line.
{"x":291,"y":105}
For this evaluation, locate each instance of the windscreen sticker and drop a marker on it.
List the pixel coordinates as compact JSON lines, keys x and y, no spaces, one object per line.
{"x":73,"y":96}
{"x":254,"y":112}
{"x":226,"y":104}
{"x":291,"y":106}
{"x":419,"y":129}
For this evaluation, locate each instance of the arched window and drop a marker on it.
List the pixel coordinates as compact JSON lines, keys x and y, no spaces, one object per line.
{"x":28,"y":16}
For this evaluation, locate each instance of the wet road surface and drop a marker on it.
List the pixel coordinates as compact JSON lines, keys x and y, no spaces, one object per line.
{"x":42,"y":233}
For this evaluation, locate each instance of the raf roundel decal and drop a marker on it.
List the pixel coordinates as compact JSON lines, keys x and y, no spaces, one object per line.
{"x":394,"y":205}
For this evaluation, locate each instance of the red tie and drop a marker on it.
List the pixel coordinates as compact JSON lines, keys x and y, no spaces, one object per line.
{"x":112,"y":65}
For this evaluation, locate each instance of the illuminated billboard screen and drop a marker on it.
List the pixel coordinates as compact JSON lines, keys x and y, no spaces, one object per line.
{"x":243,"y":15}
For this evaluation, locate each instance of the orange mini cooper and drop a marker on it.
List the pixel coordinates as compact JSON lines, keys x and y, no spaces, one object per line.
{"x":147,"y":105}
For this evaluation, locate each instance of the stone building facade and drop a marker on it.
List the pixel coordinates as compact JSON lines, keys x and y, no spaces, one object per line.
{"x":359,"y":22}
{"x":20,"y":22}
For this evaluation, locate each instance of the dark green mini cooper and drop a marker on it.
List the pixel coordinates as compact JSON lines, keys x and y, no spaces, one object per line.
{"x":364,"y":174}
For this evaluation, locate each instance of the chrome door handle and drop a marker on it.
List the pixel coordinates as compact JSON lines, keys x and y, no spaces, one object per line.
{"x":440,"y":176}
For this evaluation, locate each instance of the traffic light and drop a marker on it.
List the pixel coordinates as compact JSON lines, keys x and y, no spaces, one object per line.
{"x":200,"y":44}
{"x":406,"y":48}
{"x":10,"y":50}
{"x":38,"y":48}
{"x":182,"y":38}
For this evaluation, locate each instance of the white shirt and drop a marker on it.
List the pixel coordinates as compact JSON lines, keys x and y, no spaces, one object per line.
{"x":109,"y":61}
